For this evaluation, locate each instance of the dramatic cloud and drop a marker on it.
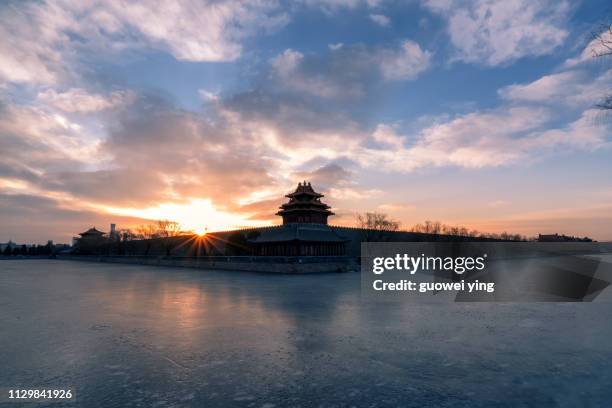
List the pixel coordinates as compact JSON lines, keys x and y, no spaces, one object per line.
{"x":573,"y":88}
{"x":79,"y":100}
{"x":476,"y":140}
{"x":584,"y":133}
{"x":104,"y":114}
{"x":33,"y":39}
{"x":348,"y":71}
{"x":596,"y":47}
{"x":326,"y":176}
{"x":494,"y":32}
{"x":195,"y":157}
{"x":406,"y":63}
{"x":41,"y":36}
{"x":34,"y":219}
{"x":34,"y":140}
{"x":291,"y":70}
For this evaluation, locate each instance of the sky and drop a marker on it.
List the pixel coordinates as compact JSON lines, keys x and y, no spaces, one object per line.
{"x":478,"y":113}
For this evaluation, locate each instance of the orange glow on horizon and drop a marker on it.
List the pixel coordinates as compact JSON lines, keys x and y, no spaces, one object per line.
{"x":198,"y":215}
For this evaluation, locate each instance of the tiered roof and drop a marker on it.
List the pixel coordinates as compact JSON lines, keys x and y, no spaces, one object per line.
{"x":92,"y":231}
{"x":304,"y":199}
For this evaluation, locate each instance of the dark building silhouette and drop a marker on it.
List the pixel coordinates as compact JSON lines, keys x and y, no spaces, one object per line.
{"x":90,"y":241}
{"x":304,"y":206}
{"x":304,"y":231}
{"x":92,"y":233}
{"x":561,"y":238}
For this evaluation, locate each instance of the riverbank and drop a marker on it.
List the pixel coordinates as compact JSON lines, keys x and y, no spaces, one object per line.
{"x":282,"y":265}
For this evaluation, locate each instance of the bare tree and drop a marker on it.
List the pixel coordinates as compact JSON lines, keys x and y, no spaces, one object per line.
{"x":436,"y":227}
{"x":159,"y":229}
{"x":126,"y":234}
{"x":601,"y":47}
{"x":374,"y":225}
{"x":147,"y":231}
{"x":377,"y":221}
{"x":166,"y":228}
{"x":428,"y":227}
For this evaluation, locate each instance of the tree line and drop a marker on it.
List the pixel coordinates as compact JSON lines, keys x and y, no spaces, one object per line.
{"x":376,"y":221}
{"x":25,"y":250}
{"x":158,"y":229}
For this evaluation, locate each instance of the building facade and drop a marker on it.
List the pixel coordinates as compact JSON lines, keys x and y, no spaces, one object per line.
{"x":304,"y":231}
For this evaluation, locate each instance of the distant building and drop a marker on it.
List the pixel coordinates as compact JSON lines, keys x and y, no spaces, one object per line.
{"x":10,"y":244}
{"x":89,"y":241}
{"x":561,"y":238}
{"x":304,"y":231}
{"x":112,"y":235}
{"x":92,"y":233}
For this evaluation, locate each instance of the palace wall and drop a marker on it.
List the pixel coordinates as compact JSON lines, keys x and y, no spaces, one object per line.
{"x":236,"y":242}
{"x":287,"y":265}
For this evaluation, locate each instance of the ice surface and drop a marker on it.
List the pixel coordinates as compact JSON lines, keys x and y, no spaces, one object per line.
{"x":166,"y":337}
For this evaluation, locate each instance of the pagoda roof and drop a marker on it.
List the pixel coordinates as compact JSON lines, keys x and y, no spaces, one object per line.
{"x":92,"y":231}
{"x":290,"y":209}
{"x":304,"y":189}
{"x":304,"y":198}
{"x":299,"y":232}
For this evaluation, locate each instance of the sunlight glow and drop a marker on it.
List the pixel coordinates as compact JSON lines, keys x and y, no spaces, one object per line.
{"x":199,"y":216}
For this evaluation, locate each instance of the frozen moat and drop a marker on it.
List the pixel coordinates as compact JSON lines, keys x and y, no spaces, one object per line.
{"x":144,"y":336}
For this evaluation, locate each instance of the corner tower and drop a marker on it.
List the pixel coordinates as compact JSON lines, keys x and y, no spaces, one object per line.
{"x":304,"y":206}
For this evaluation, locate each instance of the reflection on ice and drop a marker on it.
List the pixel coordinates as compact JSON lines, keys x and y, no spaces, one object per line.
{"x":150,"y":336}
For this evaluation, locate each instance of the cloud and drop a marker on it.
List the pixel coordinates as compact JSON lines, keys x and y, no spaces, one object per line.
{"x":194,"y":156}
{"x":34,"y":140}
{"x":153,"y":153}
{"x":43,"y":36}
{"x":78,"y":100}
{"x":387,"y":137}
{"x":195,"y":31}
{"x":313,"y":77}
{"x":347,"y":72}
{"x":332,"y":6}
{"x":208,"y":96}
{"x":476,"y":140}
{"x":301,"y":135}
{"x":595,"y":47}
{"x":406,"y":63}
{"x":473,"y":140}
{"x":324,"y":177}
{"x":380,"y":19}
{"x":28,"y":218}
{"x":496,"y":32}
{"x":584,"y":133}
{"x":571,"y":88}
{"x":544,"y":89}
{"x":33,"y":40}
